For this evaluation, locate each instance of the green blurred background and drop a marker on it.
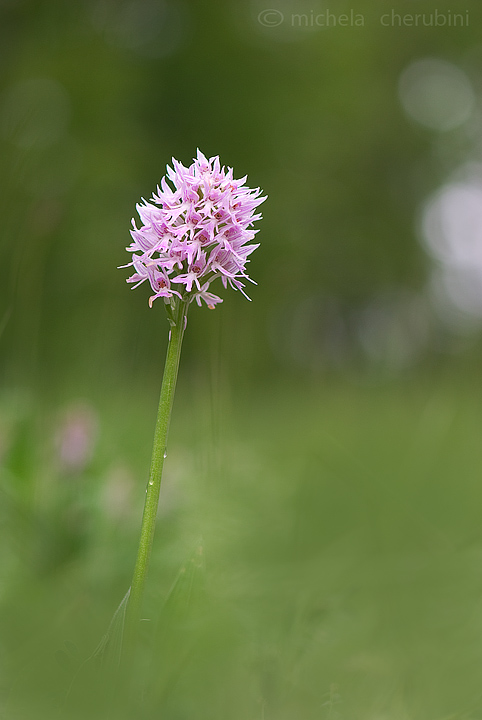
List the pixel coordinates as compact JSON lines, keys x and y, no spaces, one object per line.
{"x":325,"y":443}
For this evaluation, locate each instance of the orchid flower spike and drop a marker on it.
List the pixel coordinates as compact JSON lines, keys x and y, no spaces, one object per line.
{"x":195,"y":231}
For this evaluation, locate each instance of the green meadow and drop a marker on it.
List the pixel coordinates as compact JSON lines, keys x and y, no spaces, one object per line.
{"x":317,"y":555}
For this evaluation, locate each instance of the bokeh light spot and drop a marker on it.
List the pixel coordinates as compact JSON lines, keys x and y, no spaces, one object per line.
{"x":436,"y":94}
{"x":452,"y":234}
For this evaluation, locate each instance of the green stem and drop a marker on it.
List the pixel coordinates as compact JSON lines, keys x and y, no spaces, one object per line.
{"x":178,"y":322}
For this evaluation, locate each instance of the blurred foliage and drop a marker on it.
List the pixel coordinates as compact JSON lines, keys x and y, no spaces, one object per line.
{"x":97,"y":96}
{"x":338,"y":513}
{"x":329,"y":545}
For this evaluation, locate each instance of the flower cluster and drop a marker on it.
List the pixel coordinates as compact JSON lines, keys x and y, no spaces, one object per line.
{"x":195,"y":233}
